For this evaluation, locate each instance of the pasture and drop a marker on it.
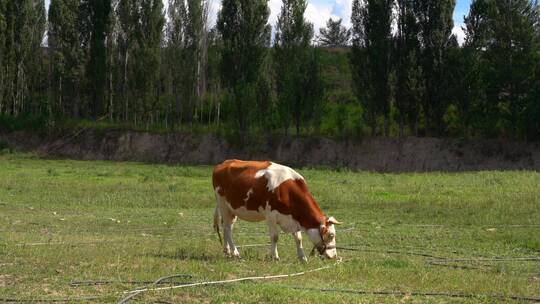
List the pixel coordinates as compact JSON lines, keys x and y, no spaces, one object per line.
{"x":63,"y":221}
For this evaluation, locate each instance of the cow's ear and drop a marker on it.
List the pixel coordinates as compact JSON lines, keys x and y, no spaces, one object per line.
{"x":332,"y":220}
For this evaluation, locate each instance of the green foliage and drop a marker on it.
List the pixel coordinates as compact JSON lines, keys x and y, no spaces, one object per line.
{"x":409,"y":84}
{"x":185,"y":52}
{"x":435,"y":30}
{"x":452,"y":121}
{"x":371,"y":57}
{"x":68,"y":57}
{"x":124,"y":61}
{"x":97,"y":23}
{"x":245,"y":35}
{"x":503,"y":37}
{"x":342,"y":120}
{"x":29,"y":123}
{"x":334,"y":35}
{"x":22,"y":25}
{"x":298,"y":78}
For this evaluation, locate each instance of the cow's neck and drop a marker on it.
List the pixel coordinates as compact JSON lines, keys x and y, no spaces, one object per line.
{"x":312,"y":216}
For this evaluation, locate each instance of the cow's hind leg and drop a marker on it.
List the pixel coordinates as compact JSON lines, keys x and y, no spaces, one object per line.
{"x":299,"y":248}
{"x":228,"y":219}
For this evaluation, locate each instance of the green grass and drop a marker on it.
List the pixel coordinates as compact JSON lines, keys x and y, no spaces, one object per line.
{"x":129,"y":221}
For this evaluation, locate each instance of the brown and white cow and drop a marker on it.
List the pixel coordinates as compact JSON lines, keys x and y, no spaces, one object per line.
{"x":265,"y":191}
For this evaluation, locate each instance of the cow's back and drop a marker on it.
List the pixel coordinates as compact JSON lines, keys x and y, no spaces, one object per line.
{"x":234,"y":179}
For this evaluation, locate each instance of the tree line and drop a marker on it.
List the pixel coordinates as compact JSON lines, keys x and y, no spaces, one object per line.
{"x":140,"y":63}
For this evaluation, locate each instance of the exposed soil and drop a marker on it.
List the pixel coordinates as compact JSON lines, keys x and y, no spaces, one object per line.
{"x":376,"y":154}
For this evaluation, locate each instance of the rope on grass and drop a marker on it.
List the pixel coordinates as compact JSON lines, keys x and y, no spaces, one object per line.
{"x":457,"y":266}
{"x":133,"y":293}
{"x":422,"y":294}
{"x":157,"y":282}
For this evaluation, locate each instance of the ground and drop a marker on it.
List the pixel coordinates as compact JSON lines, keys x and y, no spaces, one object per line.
{"x":63,"y":221}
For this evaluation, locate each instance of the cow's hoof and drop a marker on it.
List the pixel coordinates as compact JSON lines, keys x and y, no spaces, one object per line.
{"x":275,"y":258}
{"x":303,"y":259}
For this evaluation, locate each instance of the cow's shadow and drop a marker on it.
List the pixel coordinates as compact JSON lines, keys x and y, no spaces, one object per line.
{"x":182,"y":254}
{"x":198,"y":255}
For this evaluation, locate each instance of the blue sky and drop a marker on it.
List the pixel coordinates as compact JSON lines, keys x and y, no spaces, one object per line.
{"x":319,"y":11}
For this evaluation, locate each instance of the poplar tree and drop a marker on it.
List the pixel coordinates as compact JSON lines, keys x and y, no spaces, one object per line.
{"x":186,"y":43}
{"x":24,"y":22}
{"x":150,"y":20}
{"x":245,"y":35}
{"x":127,"y":16}
{"x":98,"y":23}
{"x":35,"y":58}
{"x":408,"y":73}
{"x":503,"y":37}
{"x":296,"y":66}
{"x":3,"y":27}
{"x":67,"y":56}
{"x":371,"y":57}
{"x":435,"y":24}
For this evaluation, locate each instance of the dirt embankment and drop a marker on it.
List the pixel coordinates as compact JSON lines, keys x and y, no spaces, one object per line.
{"x":377,"y":154}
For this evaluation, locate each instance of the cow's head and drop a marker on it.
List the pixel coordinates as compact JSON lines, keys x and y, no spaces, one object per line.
{"x":324,"y":238}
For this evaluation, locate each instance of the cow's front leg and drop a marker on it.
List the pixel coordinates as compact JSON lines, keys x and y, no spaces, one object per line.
{"x":299,"y":248}
{"x":273,"y":231}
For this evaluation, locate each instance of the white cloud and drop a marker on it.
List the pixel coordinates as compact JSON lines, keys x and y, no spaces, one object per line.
{"x":318,"y":14}
{"x":458,"y":31}
{"x":275,"y":7}
{"x":343,"y":9}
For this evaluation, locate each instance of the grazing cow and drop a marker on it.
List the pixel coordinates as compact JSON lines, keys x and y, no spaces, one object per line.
{"x":264,"y":191}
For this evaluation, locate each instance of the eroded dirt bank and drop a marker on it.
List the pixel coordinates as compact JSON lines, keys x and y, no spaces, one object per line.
{"x":377,"y":154}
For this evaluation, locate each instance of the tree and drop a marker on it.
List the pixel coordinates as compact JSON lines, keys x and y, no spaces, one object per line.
{"x":435,"y":24}
{"x":24,"y":28}
{"x":408,"y":73}
{"x":149,"y":22}
{"x":127,"y":14}
{"x":294,"y":63}
{"x":371,"y":57}
{"x":98,"y":26}
{"x":187,"y":44}
{"x":3,"y":27}
{"x":502,"y":36}
{"x":334,"y":35}
{"x":113,"y":61}
{"x":245,"y":33}
{"x":67,"y":56}
{"x":35,"y":63}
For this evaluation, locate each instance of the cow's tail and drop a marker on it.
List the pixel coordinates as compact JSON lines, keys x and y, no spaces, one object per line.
{"x":216,"y":223}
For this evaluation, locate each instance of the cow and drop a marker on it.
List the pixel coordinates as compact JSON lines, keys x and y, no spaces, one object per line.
{"x":266,"y":191}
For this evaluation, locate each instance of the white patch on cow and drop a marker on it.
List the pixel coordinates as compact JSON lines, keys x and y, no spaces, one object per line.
{"x":250,"y":192}
{"x":218,"y":188}
{"x":276,"y":174}
{"x":285,"y":221}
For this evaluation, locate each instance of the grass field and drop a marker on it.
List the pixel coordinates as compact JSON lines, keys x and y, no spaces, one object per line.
{"x":63,"y":221}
